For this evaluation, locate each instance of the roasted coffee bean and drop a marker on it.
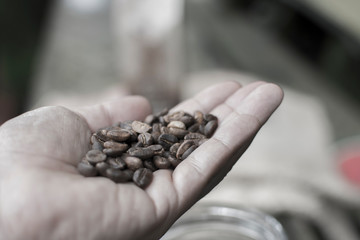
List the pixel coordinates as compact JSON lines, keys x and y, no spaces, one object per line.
{"x":178,"y":132}
{"x":150,"y":119}
{"x":126,"y":125}
{"x":101,"y":136}
{"x":187,"y":119}
{"x":95,"y":156}
{"x":156,"y":131}
{"x":150,"y":165}
{"x":137,"y":144}
{"x":188,"y":152}
{"x":164,"y":129}
{"x":143,"y":177}
{"x":86,"y":169}
{"x":161,"y":162}
{"x":117,"y":175}
{"x":174,"y":148}
{"x":210,"y":128}
{"x":194,"y":127}
{"x":142,"y":153}
{"x":199,"y":117}
{"x":146,"y":139}
{"x":133,"y":163}
{"x":97,"y":145}
{"x":201,"y":129}
{"x":101,"y":167}
{"x":166,"y":140}
{"x":174,"y":161}
{"x":162,"y":121}
{"x":114,"y":148}
{"x":129,"y":173}
{"x":140,"y":127}
{"x":175,"y":116}
{"x":191,"y":136}
{"x":118,"y":134}
{"x":209,"y":117}
{"x":176,"y":124}
{"x":157,"y":149}
{"x":183,"y":148}
{"x":117,"y":163}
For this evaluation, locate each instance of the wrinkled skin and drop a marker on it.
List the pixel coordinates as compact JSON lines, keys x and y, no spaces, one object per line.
{"x":42,"y":196}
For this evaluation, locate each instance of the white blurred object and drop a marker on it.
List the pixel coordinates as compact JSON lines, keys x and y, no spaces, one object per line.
{"x":85,"y":6}
{"x":148,"y":41}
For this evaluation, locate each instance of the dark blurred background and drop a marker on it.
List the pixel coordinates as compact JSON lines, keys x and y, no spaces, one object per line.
{"x":68,"y":47}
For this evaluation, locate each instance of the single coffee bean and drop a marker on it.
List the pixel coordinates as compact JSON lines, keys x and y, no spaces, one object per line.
{"x":143,"y":177}
{"x":188,"y":152}
{"x":194,"y":127}
{"x":86,"y":169}
{"x":209,"y":117}
{"x":142,"y":153}
{"x":164,"y":129}
{"x":95,"y":156}
{"x":199,"y":117}
{"x":183,"y":148}
{"x":175,"y":116}
{"x":149,"y":164}
{"x":187,"y":119}
{"x":210,"y":128}
{"x":114,"y":148}
{"x":156,"y":131}
{"x":174,"y":161}
{"x":202,"y":129}
{"x":157,"y":149}
{"x":146,"y":139}
{"x":117,"y":163}
{"x":101,"y":167}
{"x":176,"y":124}
{"x":161,"y":162}
{"x":150,"y":119}
{"x":174,"y":148}
{"x":191,"y":136}
{"x":100,"y":136}
{"x":117,"y":175}
{"x":119,"y":134}
{"x":140,"y":127}
{"x":133,"y":163}
{"x":97,"y":145}
{"x":166,"y":140}
{"x":178,"y":132}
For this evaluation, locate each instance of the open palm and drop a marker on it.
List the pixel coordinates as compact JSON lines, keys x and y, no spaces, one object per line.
{"x":42,"y":196}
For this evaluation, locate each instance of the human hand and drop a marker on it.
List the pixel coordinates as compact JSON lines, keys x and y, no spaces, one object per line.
{"x":42,"y":196}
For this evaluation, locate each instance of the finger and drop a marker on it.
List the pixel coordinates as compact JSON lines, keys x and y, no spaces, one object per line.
{"x":122,"y":109}
{"x":208,"y":98}
{"x":236,"y":130}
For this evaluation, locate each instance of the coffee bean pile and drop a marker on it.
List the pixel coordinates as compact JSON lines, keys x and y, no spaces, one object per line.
{"x":133,"y":150}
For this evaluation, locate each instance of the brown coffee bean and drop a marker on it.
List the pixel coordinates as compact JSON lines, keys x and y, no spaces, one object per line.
{"x":174,"y":148}
{"x":178,"y":132}
{"x":150,"y":165}
{"x":142,"y":153}
{"x":188,"y":152}
{"x":183,"y":148}
{"x":176,"y":124}
{"x":210,"y":128}
{"x":166,"y":140}
{"x":100,"y":136}
{"x":101,"y":167}
{"x":117,"y":175}
{"x":194,"y":127}
{"x":140,"y":127}
{"x":199,"y":117}
{"x":156,"y":131}
{"x":157,"y":149}
{"x":161,"y":162}
{"x":143,"y":177}
{"x":97,"y":145}
{"x":133,"y":163}
{"x":95,"y":156}
{"x":146,"y":139}
{"x":150,"y":119}
{"x":187,"y":119}
{"x":86,"y":169}
{"x":201,"y":129}
{"x":175,"y":116}
{"x":119,"y":134}
{"x":191,"y":136}
{"x":174,"y":161}
{"x":114,"y":148}
{"x":117,"y":163}
{"x":164,"y":129}
{"x":209,"y":117}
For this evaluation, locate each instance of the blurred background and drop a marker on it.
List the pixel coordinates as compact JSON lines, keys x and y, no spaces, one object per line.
{"x":304,"y":166}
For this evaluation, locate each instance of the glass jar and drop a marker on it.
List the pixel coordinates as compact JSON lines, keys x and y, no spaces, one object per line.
{"x":210,"y":221}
